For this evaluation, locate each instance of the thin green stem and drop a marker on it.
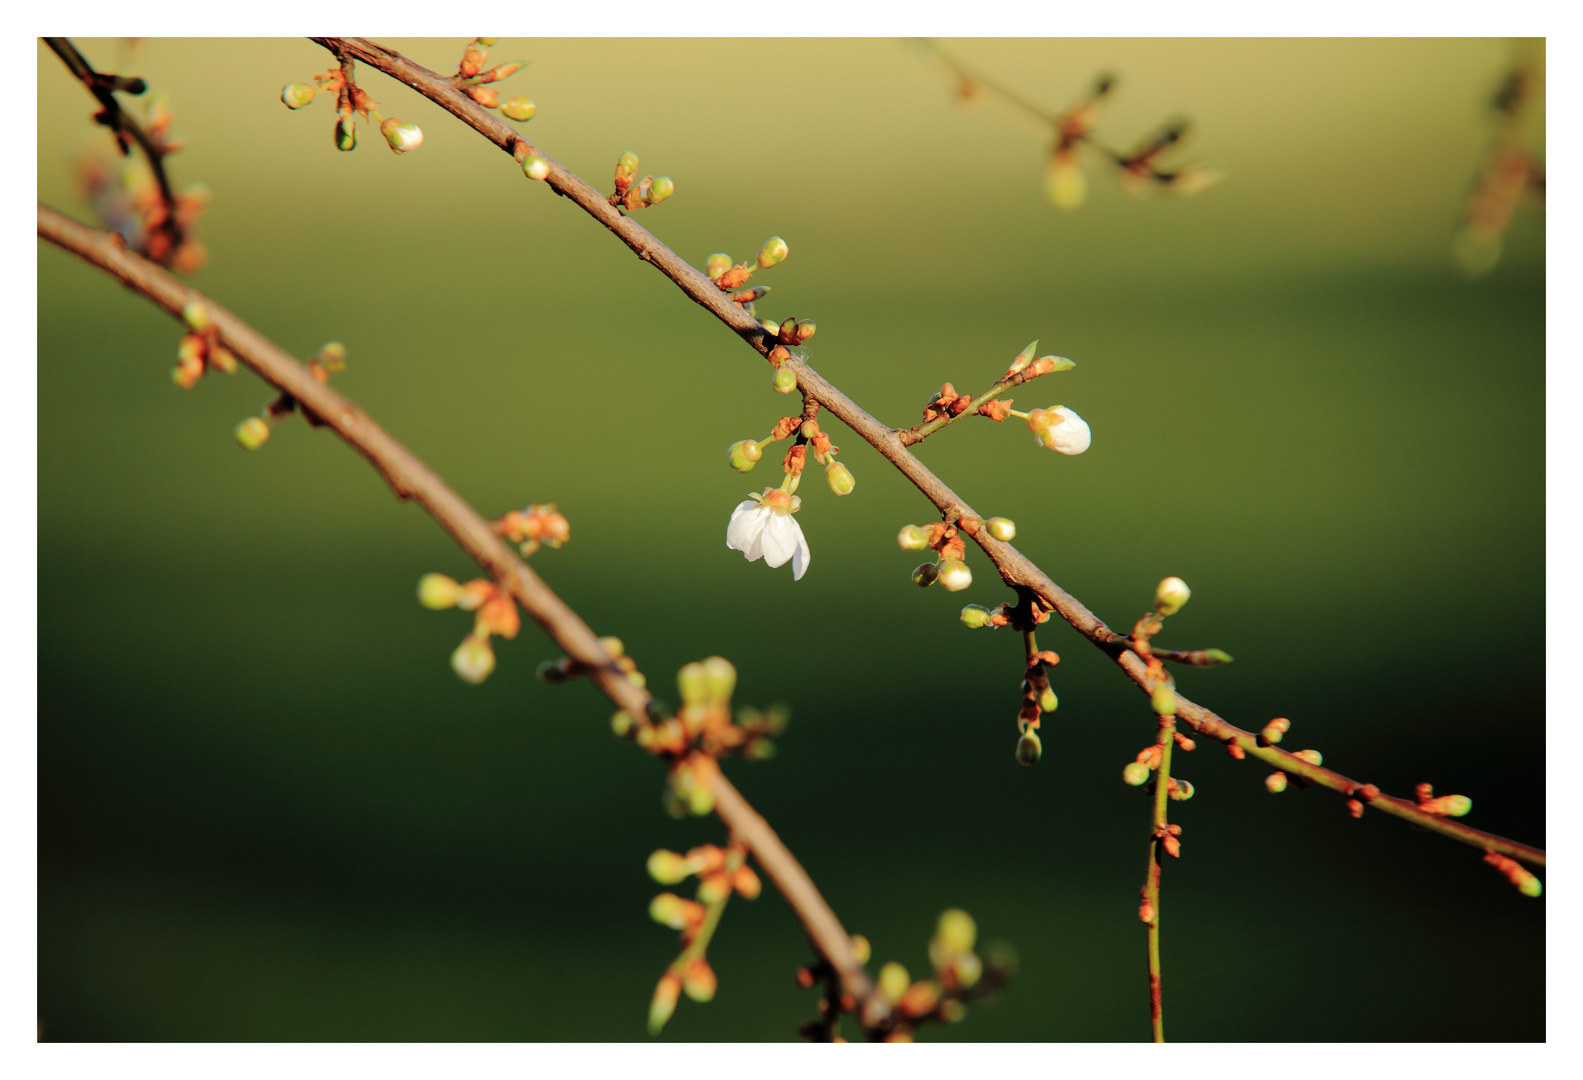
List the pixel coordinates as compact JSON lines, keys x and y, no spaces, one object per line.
{"x":1157,"y":836}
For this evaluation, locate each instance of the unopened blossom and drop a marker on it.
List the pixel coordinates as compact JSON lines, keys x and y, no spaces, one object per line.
{"x":762,"y":526}
{"x":1060,"y":429}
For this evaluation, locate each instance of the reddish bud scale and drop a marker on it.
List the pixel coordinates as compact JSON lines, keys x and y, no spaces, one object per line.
{"x":970,"y":525}
{"x":734,"y":278}
{"x":487,"y":96}
{"x":995,"y":410}
{"x":1235,"y":752}
{"x":1146,"y":913}
{"x":1354,"y":808}
{"x":793,"y":462}
{"x":779,"y":355}
{"x":1183,"y":741}
{"x":499,"y":616}
{"x":1173,"y":847}
{"x":920,"y":998}
{"x":784,"y":427}
{"x":1425,"y":792}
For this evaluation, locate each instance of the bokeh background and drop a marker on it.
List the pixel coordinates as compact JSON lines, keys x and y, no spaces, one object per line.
{"x":269,"y":811}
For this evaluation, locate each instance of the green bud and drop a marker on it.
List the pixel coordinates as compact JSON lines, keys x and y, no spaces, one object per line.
{"x":536,"y":167}
{"x":743,"y":455}
{"x":252,"y":433}
{"x":953,"y":1011}
{"x":620,"y":722}
{"x":1024,"y":357}
{"x":1048,"y":700}
{"x":518,"y":108}
{"x":861,"y":948}
{"x":699,"y":981}
{"x":1136,"y":773}
{"x":488,"y":42}
{"x":700,"y":800}
{"x":955,"y":575}
{"x":1029,"y":748}
{"x":668,"y":909}
{"x":196,"y":316}
{"x":1313,"y":757}
{"x":717,"y":264}
{"x":668,"y":868}
{"x":713,"y":889}
{"x":1531,"y":886}
{"x":1002,"y":529}
{"x":784,"y":380}
{"x":345,"y":134}
{"x":893,"y":981}
{"x":662,"y":189}
{"x":1217,"y":657}
{"x":720,"y":678}
{"x":969,"y":969}
{"x":975,"y":617}
{"x":957,"y":931}
{"x":332,"y":357}
{"x":296,"y":95}
{"x":613,"y":647}
{"x":626,"y":165}
{"x":1061,"y":363}
{"x":1275,"y":783}
{"x":1457,"y":805}
{"x":663,"y":1005}
{"x":438,"y":592}
{"x":1164,"y":700}
{"x":925,"y":574}
{"x":693,"y":684}
{"x":1170,"y":595}
{"x":473,"y":659}
{"x":806,"y":328}
{"x":912,"y":538}
{"x":840,"y":478}
{"x":773,"y":251}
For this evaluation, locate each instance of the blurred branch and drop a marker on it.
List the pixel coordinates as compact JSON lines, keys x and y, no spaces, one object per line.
{"x":411,"y":479}
{"x":1016,"y":570}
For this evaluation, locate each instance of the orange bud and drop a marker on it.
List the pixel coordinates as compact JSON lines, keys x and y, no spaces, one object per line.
{"x":734,"y":278}
{"x":805,"y":978}
{"x":747,"y":882}
{"x":475,"y":593}
{"x":996,"y":410}
{"x":1354,"y":808}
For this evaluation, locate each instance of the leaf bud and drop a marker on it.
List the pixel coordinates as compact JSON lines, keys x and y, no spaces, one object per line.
{"x":345,"y":134}
{"x":912,"y":538}
{"x":252,"y":433}
{"x":975,"y":617}
{"x":1057,"y":363}
{"x":536,"y":167}
{"x":955,"y":575}
{"x":840,"y":478}
{"x":473,"y":659}
{"x":1163,"y":699}
{"x":1029,"y":748}
{"x":663,"y":1004}
{"x":1002,"y":529}
{"x":518,"y":108}
{"x":773,"y":251}
{"x":1275,"y":783}
{"x":296,"y":95}
{"x":717,"y":264}
{"x":438,"y":592}
{"x":784,"y":380}
{"x":1023,"y":357}
{"x":893,"y":981}
{"x":556,"y":672}
{"x":1170,"y":595}
{"x":1135,"y":774}
{"x":662,"y":189}
{"x":1048,"y":700}
{"x":1216,"y":657}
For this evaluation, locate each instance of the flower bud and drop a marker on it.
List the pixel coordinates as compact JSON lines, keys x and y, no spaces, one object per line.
{"x":1313,"y":757}
{"x":699,"y":982}
{"x":955,"y":575}
{"x":720,"y":677}
{"x":912,"y":538}
{"x":784,"y":380}
{"x":1029,"y":748}
{"x":620,"y":722}
{"x":1060,"y":429}
{"x":473,"y":659}
{"x":252,"y":433}
{"x":806,"y":329}
{"x":1048,"y":700}
{"x":1449,"y":805}
{"x":331,"y":356}
{"x":1170,"y":595}
{"x":222,"y":359}
{"x":345,"y":134}
{"x":1275,"y":783}
{"x":518,"y":108}
{"x":536,"y":167}
{"x":196,"y":316}
{"x":956,"y":932}
{"x":924,"y":574}
{"x":1163,"y":699}
{"x":662,"y":189}
{"x":717,"y":264}
{"x":626,"y":166}
{"x":840,"y":478}
{"x":1002,"y":529}
{"x":773,"y":251}
{"x":438,"y":592}
{"x":1276,"y":730}
{"x":953,"y":1011}
{"x":746,"y":883}
{"x":786,"y":332}
{"x":1136,"y":773}
{"x":861,"y":947}
{"x":668,"y":868}
{"x":975,"y":617}
{"x":663,"y":1004}
{"x":296,"y":95}
{"x":187,"y":372}
{"x":693,"y":684}
{"x":401,"y":137}
{"x":893,"y":981}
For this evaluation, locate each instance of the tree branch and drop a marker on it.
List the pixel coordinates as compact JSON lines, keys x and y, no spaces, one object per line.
{"x":410,"y":478}
{"x":1016,"y":570}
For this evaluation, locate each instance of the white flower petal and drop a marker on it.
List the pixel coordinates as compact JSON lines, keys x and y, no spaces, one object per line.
{"x":781,"y":536}
{"x":802,"y":556}
{"x":745,"y":531}
{"x":1070,"y":437}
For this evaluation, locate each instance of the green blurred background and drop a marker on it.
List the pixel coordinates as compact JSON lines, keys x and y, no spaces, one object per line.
{"x":269,"y":811}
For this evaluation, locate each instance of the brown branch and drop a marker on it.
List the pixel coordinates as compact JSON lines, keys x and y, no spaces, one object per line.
{"x":411,"y":479}
{"x":1016,"y":570}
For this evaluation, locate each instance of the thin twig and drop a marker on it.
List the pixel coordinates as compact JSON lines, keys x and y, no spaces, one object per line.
{"x":410,"y":478}
{"x":1016,"y":570}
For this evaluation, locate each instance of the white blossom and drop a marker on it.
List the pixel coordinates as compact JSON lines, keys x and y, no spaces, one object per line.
{"x":1069,"y":436}
{"x":762,"y":527}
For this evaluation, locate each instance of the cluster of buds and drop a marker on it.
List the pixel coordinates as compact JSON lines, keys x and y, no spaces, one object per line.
{"x":721,"y":873}
{"x":1037,"y":699}
{"x":729,"y":277}
{"x":649,"y":191}
{"x":746,"y":453}
{"x":946,"y":404}
{"x":960,"y":976}
{"x":1141,"y":768}
{"x":252,"y":433}
{"x":538,"y":525}
{"x":473,"y":80}
{"x":352,"y":102}
{"x":200,"y":348}
{"x":564,"y":669}
{"x":496,"y":613}
{"x":1443,"y":805}
{"x":1169,"y":596}
{"x":1279,"y":781}
{"x":836,"y":1000}
{"x":949,"y":569}
{"x":127,"y":198}
{"x":1516,"y":873}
